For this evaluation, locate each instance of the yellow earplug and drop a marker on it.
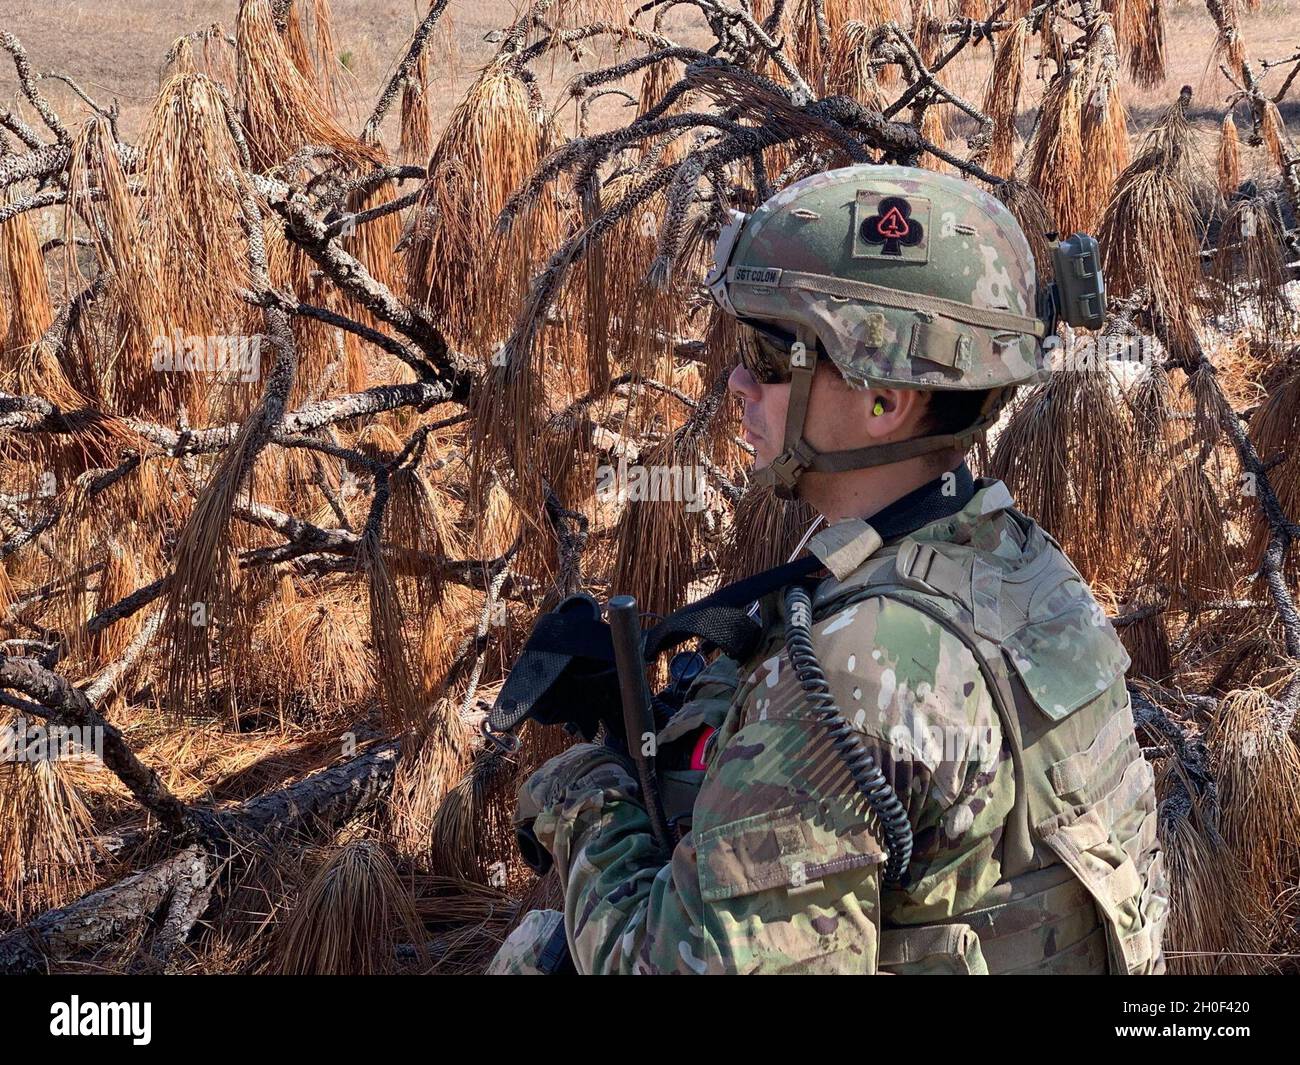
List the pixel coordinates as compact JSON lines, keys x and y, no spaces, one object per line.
{"x":879,"y":408}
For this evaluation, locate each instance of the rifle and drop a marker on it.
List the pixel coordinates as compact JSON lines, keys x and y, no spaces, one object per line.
{"x":589,"y":676}
{"x":638,"y":716}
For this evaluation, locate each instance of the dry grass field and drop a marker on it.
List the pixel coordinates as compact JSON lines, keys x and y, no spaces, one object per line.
{"x":116,"y":47}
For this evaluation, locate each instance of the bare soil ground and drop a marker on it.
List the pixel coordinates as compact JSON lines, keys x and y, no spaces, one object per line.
{"x":114,"y":48}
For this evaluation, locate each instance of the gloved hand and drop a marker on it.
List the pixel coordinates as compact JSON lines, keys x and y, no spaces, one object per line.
{"x":581,"y":766}
{"x":554,"y":683}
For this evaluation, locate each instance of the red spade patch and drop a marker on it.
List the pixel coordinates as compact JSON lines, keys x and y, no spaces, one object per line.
{"x":892,"y":226}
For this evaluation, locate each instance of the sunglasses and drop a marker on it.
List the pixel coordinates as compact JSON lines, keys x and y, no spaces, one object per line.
{"x":765,"y":352}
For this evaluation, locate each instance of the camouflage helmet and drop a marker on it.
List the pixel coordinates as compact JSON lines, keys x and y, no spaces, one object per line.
{"x":907,"y":279}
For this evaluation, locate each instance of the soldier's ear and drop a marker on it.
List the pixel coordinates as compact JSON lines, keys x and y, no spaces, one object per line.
{"x":902,"y":402}
{"x":882,"y":412}
{"x":898,"y":409}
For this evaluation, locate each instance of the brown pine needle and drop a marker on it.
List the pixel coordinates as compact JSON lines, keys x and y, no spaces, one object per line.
{"x":1229,"y":172}
{"x":282,"y":108}
{"x":1002,"y":98}
{"x":353,"y":913}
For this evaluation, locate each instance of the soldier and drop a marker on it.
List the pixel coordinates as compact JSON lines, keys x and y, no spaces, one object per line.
{"x":950,"y":685}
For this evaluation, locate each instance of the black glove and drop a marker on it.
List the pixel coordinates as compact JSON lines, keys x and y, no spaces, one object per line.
{"x":551,"y":685}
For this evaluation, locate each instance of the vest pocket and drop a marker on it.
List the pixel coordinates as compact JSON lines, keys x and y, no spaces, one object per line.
{"x":792,"y":891}
{"x":932,"y":950}
{"x":1126,"y":882}
{"x":787,"y":848}
{"x":1067,"y":661}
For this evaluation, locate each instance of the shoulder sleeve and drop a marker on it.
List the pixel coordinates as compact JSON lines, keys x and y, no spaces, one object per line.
{"x":773,"y":879}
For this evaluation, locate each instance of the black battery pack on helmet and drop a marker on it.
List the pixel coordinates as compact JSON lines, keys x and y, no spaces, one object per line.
{"x":1079,"y":291}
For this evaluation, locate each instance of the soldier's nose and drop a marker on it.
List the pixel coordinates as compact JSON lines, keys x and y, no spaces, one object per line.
{"x":744,"y":385}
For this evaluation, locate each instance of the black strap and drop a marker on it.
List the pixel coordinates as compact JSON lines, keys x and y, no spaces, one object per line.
{"x":940,"y":498}
{"x":554,"y":958}
{"x":722,"y":619}
{"x":714,"y":619}
{"x":568,"y":636}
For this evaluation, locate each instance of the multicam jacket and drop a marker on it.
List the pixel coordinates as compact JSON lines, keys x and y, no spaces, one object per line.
{"x":990,"y":688}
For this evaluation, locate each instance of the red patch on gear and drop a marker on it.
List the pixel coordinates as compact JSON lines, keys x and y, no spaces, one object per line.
{"x":894,"y":224}
{"x":701,"y":744}
{"x":893,"y":227}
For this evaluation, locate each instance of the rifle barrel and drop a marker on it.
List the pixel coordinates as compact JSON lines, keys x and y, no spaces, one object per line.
{"x":638,"y":717}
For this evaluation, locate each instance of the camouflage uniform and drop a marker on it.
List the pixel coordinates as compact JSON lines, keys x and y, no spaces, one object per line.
{"x":780,"y":871}
{"x":969,"y":655}
{"x":528,"y":943}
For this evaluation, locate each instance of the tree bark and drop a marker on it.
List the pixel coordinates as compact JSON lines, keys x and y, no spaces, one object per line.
{"x":184,"y":881}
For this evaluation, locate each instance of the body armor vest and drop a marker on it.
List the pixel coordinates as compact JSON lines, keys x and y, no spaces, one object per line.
{"x":1081,"y":863}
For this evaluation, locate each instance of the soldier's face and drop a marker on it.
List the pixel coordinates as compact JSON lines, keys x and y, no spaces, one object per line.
{"x":839,"y":416}
{"x":831,"y":405}
{"x":763,"y":424}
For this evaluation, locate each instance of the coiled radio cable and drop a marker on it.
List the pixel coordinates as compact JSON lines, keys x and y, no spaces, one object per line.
{"x":845,"y":739}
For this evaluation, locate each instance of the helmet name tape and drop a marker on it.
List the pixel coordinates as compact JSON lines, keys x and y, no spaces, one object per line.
{"x":891,"y":228}
{"x":756,"y":275}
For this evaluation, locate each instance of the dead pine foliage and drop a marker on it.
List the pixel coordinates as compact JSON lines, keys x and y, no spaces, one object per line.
{"x":1081,"y":141}
{"x":329,"y":371}
{"x":353,"y":914}
{"x":1258,"y":769}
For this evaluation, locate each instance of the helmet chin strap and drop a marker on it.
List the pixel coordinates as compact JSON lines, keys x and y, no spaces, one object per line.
{"x":783,"y":472}
{"x":797,"y":455}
